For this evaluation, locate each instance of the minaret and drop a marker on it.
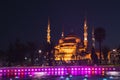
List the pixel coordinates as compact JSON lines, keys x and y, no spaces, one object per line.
{"x":93,"y":38}
{"x":85,"y":33}
{"x":48,"y":32}
{"x":62,"y":35}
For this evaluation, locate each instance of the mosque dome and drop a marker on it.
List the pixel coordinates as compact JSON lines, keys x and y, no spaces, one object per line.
{"x":72,"y":38}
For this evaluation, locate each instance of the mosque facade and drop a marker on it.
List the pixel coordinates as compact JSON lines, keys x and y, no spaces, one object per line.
{"x":71,"y":46}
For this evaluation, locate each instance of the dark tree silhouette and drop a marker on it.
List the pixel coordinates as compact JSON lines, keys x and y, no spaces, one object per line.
{"x":94,"y":57}
{"x":16,"y":53}
{"x":99,"y":37}
{"x":105,"y":51}
{"x":2,"y":58}
{"x":10,"y":54}
{"x":48,"y":53}
{"x":31,"y":49}
{"x":20,"y":50}
{"x":118,"y":49}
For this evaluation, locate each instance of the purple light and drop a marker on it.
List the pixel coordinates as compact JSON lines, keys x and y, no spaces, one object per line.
{"x":65,"y":68}
{"x":15,"y":73}
{"x":25,"y":73}
{"x":106,"y":69}
{"x":15,"y":70}
{"x":39,"y":69}
{"x":89,"y":69}
{"x":1,"y":70}
{"x":103,"y":69}
{"x":18,"y":73}
{"x":18,"y":70}
{"x":25,"y":69}
{"x":95,"y":72}
{"x":32,"y":69}
{"x":78,"y":68}
{"x":35,"y":69}
{"x":82,"y":72}
{"x":82,"y":69}
{"x":52,"y":69}
{"x":58,"y":72}
{"x":49,"y":69}
{"x":8,"y":70}
{"x":75,"y":68}
{"x":22,"y":70}
{"x":59,"y":69}
{"x":95,"y":68}
{"x":52,"y":73}
{"x":99,"y":68}
{"x":55,"y":69}
{"x":5,"y":71}
{"x":45,"y":69}
{"x":113,"y":68}
{"x":72,"y":69}
{"x":109,"y":68}
{"x":0,"y":74}
{"x":62,"y":70}
{"x":28,"y":73}
{"x":55,"y":73}
{"x":89,"y":72}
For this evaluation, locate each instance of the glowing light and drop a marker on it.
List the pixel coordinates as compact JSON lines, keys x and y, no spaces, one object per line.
{"x":113,"y":73}
{"x":61,"y":77}
{"x":39,"y":74}
{"x":70,"y":76}
{"x":105,"y":79}
{"x":40,"y":51}
{"x":85,"y":79}
{"x":67,"y":78}
{"x":62,"y":70}
{"x":111,"y":77}
{"x":89,"y":69}
{"x":1,"y":70}
{"x":16,"y":77}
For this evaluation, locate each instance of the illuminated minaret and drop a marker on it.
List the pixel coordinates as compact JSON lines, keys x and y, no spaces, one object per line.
{"x":85,"y":33}
{"x":48,"y":32}
{"x":62,"y":35}
{"x":93,"y":38}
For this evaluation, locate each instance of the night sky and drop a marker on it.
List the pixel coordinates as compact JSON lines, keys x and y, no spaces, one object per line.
{"x":27,"y":19}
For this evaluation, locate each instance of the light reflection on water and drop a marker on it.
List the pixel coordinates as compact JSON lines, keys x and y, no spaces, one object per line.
{"x":66,"y":77}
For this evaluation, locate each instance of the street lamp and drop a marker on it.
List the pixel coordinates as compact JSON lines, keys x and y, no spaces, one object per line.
{"x":40,"y":51}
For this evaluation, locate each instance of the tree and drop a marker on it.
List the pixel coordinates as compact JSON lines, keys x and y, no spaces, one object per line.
{"x":48,"y":53}
{"x":10,"y":54}
{"x":2,"y":57}
{"x":99,"y":37}
{"x":94,"y":56}
{"x":118,"y":49}
{"x":16,"y":53}
{"x":31,"y":48}
{"x":105,"y":51}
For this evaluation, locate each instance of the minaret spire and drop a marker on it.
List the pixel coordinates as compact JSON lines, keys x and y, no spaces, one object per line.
{"x":85,"y":33}
{"x":48,"y":31}
{"x":93,"y":38}
{"x":62,"y":35}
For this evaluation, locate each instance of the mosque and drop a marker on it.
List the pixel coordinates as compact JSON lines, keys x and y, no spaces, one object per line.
{"x":71,"y":47}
